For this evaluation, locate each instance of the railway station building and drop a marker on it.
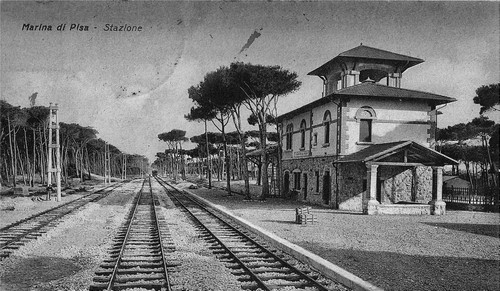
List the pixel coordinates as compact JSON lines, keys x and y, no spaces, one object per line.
{"x":366,"y":144}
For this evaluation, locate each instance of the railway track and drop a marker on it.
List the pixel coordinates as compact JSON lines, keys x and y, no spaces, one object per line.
{"x":15,"y":235}
{"x":138,"y":256}
{"x":256,"y":266}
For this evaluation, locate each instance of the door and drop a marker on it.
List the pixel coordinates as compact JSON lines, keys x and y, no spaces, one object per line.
{"x":326,"y":188}
{"x":305,"y":186}
{"x":286,"y":184}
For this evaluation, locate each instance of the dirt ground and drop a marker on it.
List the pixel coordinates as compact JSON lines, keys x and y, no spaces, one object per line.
{"x":457,"y":251}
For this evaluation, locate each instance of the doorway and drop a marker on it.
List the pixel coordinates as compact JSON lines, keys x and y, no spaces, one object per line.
{"x":305,"y":186}
{"x":326,"y":187}
{"x":286,"y":184}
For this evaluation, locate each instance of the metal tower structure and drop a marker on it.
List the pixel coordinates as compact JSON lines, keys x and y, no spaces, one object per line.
{"x":54,"y":148}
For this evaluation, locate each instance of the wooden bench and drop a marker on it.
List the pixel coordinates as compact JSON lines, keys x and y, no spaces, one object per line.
{"x":303,"y":215}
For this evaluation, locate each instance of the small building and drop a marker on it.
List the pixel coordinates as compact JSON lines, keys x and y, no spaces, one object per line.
{"x":366,"y":144}
{"x":455,"y":182}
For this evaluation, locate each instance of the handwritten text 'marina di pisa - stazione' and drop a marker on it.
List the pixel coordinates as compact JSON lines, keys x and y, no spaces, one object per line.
{"x":80,"y":27}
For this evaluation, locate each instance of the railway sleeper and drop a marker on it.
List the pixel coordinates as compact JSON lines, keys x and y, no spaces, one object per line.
{"x":262,"y":270}
{"x":149,"y":248}
{"x":123,"y":278}
{"x":263,"y":264}
{"x":140,"y":284}
{"x":139,"y":253}
{"x":251,"y":250}
{"x":260,"y":256}
{"x":139,"y":241}
{"x":134,"y":270}
{"x":252,"y":259}
{"x":111,"y":264}
{"x":284,"y":283}
{"x":281,"y":276}
{"x":99,"y":287}
{"x":142,"y":259}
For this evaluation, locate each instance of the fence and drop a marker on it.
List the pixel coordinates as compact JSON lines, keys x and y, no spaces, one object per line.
{"x":487,"y":196}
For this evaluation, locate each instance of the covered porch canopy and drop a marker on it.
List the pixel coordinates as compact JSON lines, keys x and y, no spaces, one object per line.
{"x":399,"y":154}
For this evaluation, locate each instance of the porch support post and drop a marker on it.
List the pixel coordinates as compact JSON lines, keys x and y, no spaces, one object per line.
{"x":438,"y":206}
{"x":372,"y":206}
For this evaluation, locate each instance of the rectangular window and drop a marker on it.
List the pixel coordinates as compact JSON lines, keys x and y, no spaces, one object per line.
{"x":302,"y":138}
{"x":365,"y":130}
{"x":315,"y":138}
{"x":289,"y":136}
{"x":296,"y":178}
{"x":316,"y":174}
{"x":327,"y":132}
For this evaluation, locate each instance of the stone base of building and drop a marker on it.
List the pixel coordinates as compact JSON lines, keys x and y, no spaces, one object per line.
{"x":404,"y":209}
{"x":374,"y":208}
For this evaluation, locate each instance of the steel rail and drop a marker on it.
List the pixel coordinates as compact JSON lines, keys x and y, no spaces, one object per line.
{"x":305,"y":276}
{"x":16,"y":238}
{"x":159,"y":237}
{"x":259,"y":282}
{"x":119,"y":258}
{"x":57,"y":207}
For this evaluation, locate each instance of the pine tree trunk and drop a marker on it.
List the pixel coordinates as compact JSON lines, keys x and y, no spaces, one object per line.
{"x":265,"y":161}
{"x":227,"y":161}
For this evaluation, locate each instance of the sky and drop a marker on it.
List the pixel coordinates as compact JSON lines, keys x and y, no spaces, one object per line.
{"x":132,"y":85}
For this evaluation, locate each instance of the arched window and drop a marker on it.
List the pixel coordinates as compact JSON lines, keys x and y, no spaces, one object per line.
{"x":302,"y":134}
{"x":327,"y":118}
{"x":365,"y":115}
{"x":289,"y":134}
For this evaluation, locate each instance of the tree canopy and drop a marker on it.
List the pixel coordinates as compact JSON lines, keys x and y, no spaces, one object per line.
{"x":487,"y":96}
{"x":463,"y":131}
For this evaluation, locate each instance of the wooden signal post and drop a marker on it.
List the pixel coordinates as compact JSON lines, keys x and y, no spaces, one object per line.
{"x":54,"y":146}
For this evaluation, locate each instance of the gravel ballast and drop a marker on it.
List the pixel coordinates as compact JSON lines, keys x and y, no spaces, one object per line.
{"x":66,"y":257}
{"x":457,"y":251}
{"x":199,"y":269}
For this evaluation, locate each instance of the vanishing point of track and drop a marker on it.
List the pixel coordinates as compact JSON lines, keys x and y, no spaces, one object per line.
{"x":256,"y":267}
{"x":15,"y":235}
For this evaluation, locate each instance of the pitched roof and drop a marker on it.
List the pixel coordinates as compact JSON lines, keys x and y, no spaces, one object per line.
{"x":378,"y":90}
{"x":308,"y":106}
{"x":366,"y":52}
{"x":415,"y":153}
{"x":369,"y":89}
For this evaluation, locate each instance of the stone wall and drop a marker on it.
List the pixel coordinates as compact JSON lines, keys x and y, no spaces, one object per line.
{"x":399,"y":184}
{"x":310,"y":166}
{"x":352,"y":185}
{"x":406,"y":184}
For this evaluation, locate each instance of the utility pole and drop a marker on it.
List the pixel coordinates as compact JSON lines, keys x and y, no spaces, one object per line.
{"x":107,"y":165}
{"x":124,"y":167}
{"x":142,"y":176}
{"x":54,"y":147}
